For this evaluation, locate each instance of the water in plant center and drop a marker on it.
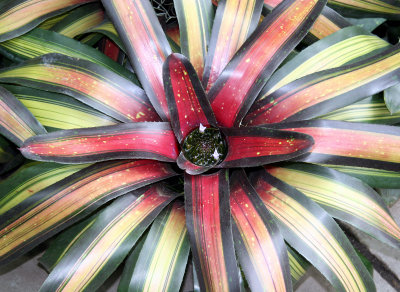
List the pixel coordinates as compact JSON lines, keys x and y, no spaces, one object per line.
{"x":204,"y":146}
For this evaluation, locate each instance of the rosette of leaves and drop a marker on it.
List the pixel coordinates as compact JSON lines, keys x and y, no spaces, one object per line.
{"x":223,"y":141}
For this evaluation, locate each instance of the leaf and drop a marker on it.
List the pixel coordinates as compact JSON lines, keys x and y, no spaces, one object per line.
{"x":346,"y":46}
{"x":251,"y":67}
{"x":368,"y":24}
{"x":80,"y":20}
{"x":258,"y":242}
{"x":376,"y":8}
{"x":254,"y":146}
{"x":63,"y":242}
{"x":30,"y":179}
{"x":71,"y":199}
{"x":161,"y":263}
{"x":20,"y":16}
{"x":376,"y":178}
{"x":234,"y":22}
{"x":157,"y":141}
{"x":16,"y":123}
{"x":187,"y":101}
{"x":194,"y":16}
{"x":88,"y":82}
{"x":324,"y":91}
{"x":57,"y":111}
{"x":209,"y":228}
{"x":328,"y":23}
{"x":107,"y":242}
{"x":369,"y":110}
{"x":312,"y":232}
{"x":343,"y":197}
{"x":145,"y":43}
{"x":39,"y":42}
{"x":357,"y":151}
{"x":389,"y":196}
{"x":391,"y":96}
{"x":107,"y":28}
{"x":298,"y":265}
{"x":50,"y":22}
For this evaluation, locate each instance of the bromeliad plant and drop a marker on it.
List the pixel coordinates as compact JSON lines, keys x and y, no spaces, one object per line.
{"x":220,"y":149}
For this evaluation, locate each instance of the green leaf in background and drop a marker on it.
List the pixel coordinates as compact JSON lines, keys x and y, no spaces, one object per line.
{"x":392,"y":98}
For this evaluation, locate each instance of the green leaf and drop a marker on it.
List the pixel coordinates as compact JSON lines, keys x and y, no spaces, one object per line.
{"x":30,"y":179}
{"x":105,"y":244}
{"x":161,"y":264}
{"x":374,"y":8}
{"x":40,"y":42}
{"x":369,"y":24}
{"x":389,"y":196}
{"x":371,"y":110}
{"x":298,"y":265}
{"x":392,"y":99}
{"x":63,"y":242}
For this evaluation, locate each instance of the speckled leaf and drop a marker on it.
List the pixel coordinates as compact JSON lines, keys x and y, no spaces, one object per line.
{"x":209,"y":228}
{"x":88,"y":82}
{"x":251,"y":67}
{"x":145,"y":43}
{"x":123,"y":141}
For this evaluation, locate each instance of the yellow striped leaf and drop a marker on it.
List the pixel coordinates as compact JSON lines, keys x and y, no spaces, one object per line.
{"x":16,"y":122}
{"x":30,"y":179}
{"x":371,"y":8}
{"x":313,"y":233}
{"x":343,"y":197}
{"x":71,"y":199}
{"x":105,"y":244}
{"x":194,"y":16}
{"x":20,"y":16}
{"x":161,"y":264}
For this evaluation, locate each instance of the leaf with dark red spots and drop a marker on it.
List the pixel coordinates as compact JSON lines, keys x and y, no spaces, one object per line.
{"x":239,"y":84}
{"x":145,"y":43}
{"x":324,"y":91}
{"x":187,"y":101}
{"x":258,"y":243}
{"x":350,"y":144}
{"x":254,"y":146}
{"x":208,"y":221}
{"x":131,"y":140}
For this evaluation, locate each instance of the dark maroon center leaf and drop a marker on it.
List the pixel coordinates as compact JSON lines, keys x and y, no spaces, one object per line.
{"x":204,"y":146}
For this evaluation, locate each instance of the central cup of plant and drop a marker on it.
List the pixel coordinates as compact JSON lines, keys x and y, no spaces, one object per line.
{"x":204,"y":146}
